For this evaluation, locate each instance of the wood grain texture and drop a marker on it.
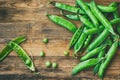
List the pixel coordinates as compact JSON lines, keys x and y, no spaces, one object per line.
{"x":28,"y":18}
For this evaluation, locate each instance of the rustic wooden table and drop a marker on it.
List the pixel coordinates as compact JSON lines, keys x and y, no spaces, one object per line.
{"x":27,"y":17}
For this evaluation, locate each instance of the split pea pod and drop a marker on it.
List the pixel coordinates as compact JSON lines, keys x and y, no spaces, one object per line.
{"x":87,"y":41}
{"x":67,"y":7}
{"x":23,"y":55}
{"x":88,"y":12}
{"x":109,"y":57}
{"x":7,"y":49}
{"x":80,"y":42}
{"x":62,"y":22}
{"x":101,"y":17}
{"x":76,"y":36}
{"x":84,"y":65}
{"x":96,"y":68}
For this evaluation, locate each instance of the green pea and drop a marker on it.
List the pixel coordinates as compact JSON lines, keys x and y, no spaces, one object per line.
{"x":48,"y":64}
{"x":54,"y":65}
{"x":42,"y":54}
{"x":45,"y":40}
{"x":66,"y":53}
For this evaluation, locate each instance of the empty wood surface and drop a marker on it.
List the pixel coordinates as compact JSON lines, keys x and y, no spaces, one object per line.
{"x":28,"y":18}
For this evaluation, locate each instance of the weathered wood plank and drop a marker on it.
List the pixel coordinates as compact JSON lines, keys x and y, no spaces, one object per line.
{"x":11,"y":68}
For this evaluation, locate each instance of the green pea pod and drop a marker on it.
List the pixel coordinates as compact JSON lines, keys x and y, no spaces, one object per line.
{"x":96,"y":30}
{"x":96,"y":68}
{"x":92,"y":53}
{"x":88,"y":12}
{"x":86,"y":22}
{"x":109,"y":57}
{"x":62,"y":22}
{"x":23,"y":55}
{"x":116,"y":15}
{"x":101,"y":17}
{"x":80,"y":42}
{"x":98,"y":40}
{"x":101,"y":7}
{"x":76,"y":36}
{"x":7,"y":49}
{"x":87,"y":41}
{"x":67,"y":7}
{"x":70,"y":16}
{"x":84,"y":65}
{"x":115,"y":21}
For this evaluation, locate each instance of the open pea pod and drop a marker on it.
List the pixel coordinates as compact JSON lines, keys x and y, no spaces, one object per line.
{"x":23,"y":55}
{"x":7,"y":49}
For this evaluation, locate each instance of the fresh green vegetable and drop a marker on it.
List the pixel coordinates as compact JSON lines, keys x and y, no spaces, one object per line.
{"x":54,"y":65}
{"x":7,"y":49}
{"x":45,"y":40}
{"x":42,"y":54}
{"x":48,"y":64}
{"x":86,"y":22}
{"x":67,"y":7}
{"x":80,"y":42}
{"x":98,"y":40}
{"x":92,"y":53}
{"x":66,"y":53}
{"x":62,"y":22}
{"x":76,"y":36}
{"x":88,"y":12}
{"x":96,"y":68}
{"x":23,"y":55}
{"x":101,"y":17}
{"x":87,"y":41}
{"x":109,"y":56}
{"x":84,"y":65}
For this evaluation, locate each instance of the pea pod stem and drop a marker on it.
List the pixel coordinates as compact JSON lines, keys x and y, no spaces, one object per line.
{"x":62,"y":22}
{"x":7,"y":49}
{"x":23,"y":55}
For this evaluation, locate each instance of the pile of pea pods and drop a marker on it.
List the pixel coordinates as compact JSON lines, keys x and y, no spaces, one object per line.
{"x":98,"y":35}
